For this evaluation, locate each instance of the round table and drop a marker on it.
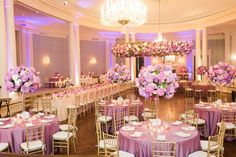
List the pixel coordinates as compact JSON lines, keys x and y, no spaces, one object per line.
{"x":112,"y":107}
{"x":16,"y":135}
{"x":212,"y":115}
{"x":141,"y":146}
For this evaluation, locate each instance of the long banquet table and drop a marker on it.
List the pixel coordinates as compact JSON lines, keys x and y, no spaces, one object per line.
{"x":141,"y":146}
{"x":15,"y":134}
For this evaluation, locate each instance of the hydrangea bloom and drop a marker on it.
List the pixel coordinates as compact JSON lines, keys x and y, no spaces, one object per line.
{"x":221,"y":73}
{"x":118,"y":74}
{"x":22,"y":79}
{"x":158,"y":80}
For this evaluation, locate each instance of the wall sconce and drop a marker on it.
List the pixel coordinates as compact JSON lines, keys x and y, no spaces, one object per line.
{"x":93,"y":61}
{"x":46,"y":60}
{"x":233,"y":57}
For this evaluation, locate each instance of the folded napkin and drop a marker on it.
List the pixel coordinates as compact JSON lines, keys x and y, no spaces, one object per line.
{"x":49,"y":116}
{"x":155,"y":122}
{"x":218,"y":102}
{"x":111,"y":105}
{"x":7,"y":126}
{"x":136,"y":134}
{"x":182,"y":134}
{"x":29,"y":124}
{"x":4,"y":119}
{"x":128,"y":128}
{"x":188,"y":128}
{"x":176,"y":123}
{"x":161,"y":137}
{"x":46,"y":121}
{"x":136,"y":123}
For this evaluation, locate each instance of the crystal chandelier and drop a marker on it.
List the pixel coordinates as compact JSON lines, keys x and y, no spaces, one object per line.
{"x":159,"y":34}
{"x":130,"y":13}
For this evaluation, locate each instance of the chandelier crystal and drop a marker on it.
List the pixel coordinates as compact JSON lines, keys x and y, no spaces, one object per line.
{"x":130,"y":13}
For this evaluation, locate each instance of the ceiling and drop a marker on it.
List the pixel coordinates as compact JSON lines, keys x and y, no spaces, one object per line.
{"x":26,"y":16}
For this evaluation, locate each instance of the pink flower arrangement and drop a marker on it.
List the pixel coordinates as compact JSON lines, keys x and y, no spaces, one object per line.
{"x":158,"y":80}
{"x":182,"y":70}
{"x":162,"y":48}
{"x":221,"y":73}
{"x":202,"y":70}
{"x":22,"y":80}
{"x":118,"y":74}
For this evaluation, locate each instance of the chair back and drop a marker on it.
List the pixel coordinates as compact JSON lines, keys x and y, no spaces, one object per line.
{"x":191,"y":118}
{"x":100,"y":109}
{"x":163,"y":149}
{"x":221,"y":134}
{"x":189,"y":104}
{"x":110,"y":143}
{"x":118,"y":120}
{"x":46,"y":103}
{"x":34,"y":133}
{"x":133,"y":109}
{"x":98,"y":131}
{"x":72,"y":116}
{"x":77,"y":100}
{"x":229,"y":117}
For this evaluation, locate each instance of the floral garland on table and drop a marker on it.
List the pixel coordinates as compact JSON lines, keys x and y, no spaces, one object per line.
{"x":221,"y":74}
{"x":22,"y":80}
{"x":118,"y":74}
{"x":157,"y":80}
{"x":163,"y":48}
{"x":182,"y":70}
{"x":202,"y":70}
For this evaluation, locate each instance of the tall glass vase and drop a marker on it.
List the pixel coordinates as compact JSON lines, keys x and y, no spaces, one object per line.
{"x":156,"y":104}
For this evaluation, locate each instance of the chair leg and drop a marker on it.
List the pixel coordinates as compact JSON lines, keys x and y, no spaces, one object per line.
{"x":53,"y":147}
{"x":74,"y":141}
{"x":68,"y":147}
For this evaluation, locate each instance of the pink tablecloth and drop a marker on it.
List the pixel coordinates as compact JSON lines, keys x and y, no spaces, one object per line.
{"x":212,"y":115}
{"x":16,"y":134}
{"x":203,"y":87}
{"x":116,"y":108}
{"x":141,"y":146}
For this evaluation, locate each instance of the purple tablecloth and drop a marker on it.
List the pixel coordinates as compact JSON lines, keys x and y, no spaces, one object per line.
{"x":16,"y":134}
{"x":212,"y":115}
{"x":141,"y":146}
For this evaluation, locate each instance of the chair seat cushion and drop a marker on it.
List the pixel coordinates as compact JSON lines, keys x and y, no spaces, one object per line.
{"x":102,"y":144}
{"x":33,"y":145}
{"x":130,"y":118}
{"x":198,"y":90}
{"x":147,"y":109}
{"x":104,"y":119}
{"x":62,"y":136}
{"x":3,"y":146}
{"x":65,"y":127}
{"x":212,"y":91}
{"x":200,"y":154}
{"x":228,"y":126}
{"x":204,"y":145}
{"x":122,"y":154}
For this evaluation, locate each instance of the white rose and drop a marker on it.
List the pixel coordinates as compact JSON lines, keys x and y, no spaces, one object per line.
{"x":15,"y":77}
{"x":18,"y":82}
{"x":27,"y":84}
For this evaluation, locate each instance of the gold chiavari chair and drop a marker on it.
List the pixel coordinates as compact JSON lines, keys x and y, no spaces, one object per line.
{"x":78,"y":105}
{"x":35,"y":105}
{"x":198,"y":92}
{"x":151,"y":114}
{"x":133,"y":111}
{"x":192,"y":119}
{"x":46,"y":103}
{"x":100,"y":141}
{"x":229,"y":119}
{"x":118,"y":120}
{"x":163,"y":149}
{"x":213,"y":142}
{"x":188,"y":107}
{"x":34,"y":140}
{"x":111,"y":146}
{"x":100,"y":114}
{"x":62,"y":139}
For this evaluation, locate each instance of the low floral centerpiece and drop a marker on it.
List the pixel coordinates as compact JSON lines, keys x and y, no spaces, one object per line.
{"x":221,"y":74}
{"x":118,"y":74}
{"x":22,"y":80}
{"x":202,"y":70}
{"x":182,"y":70}
{"x":158,"y":80}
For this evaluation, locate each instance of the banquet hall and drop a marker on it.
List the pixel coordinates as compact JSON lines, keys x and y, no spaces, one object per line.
{"x":119,"y":78}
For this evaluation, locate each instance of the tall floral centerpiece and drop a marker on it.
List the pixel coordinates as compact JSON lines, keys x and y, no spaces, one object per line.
{"x":202,"y":70}
{"x":118,"y":74}
{"x":221,"y":74}
{"x":22,"y":80}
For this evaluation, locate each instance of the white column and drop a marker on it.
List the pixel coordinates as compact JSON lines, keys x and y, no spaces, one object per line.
{"x":127,"y":60}
{"x":204,"y":47}
{"x":198,"y":52}
{"x":133,"y":61}
{"x":74,"y":54}
{"x":228,"y":54}
{"x":108,"y":49}
{"x":25,"y":39}
{"x":3,"y":54}
{"x":10,"y":34}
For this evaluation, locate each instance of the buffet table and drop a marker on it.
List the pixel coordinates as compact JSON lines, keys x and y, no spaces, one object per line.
{"x":140,"y":146}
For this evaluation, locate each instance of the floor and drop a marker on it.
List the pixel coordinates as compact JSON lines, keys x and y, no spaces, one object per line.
{"x":170,"y":109}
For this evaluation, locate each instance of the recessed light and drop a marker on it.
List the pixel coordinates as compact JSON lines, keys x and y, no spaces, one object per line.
{"x":65,"y":3}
